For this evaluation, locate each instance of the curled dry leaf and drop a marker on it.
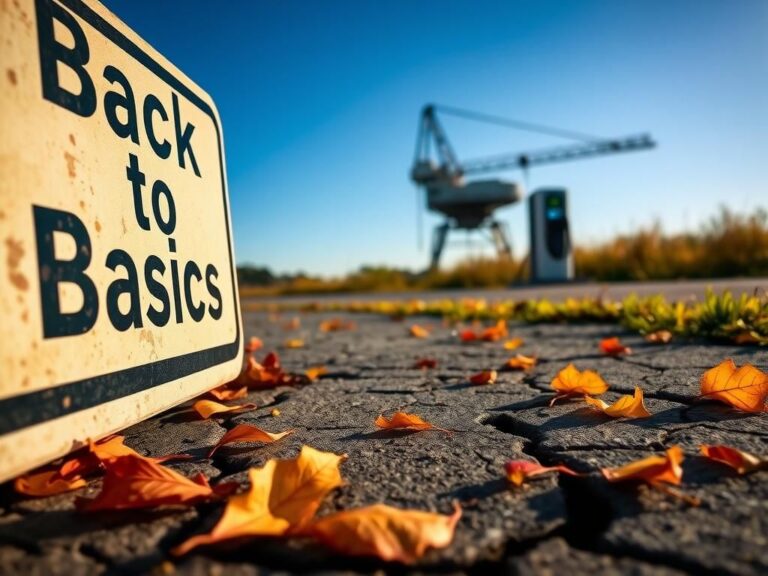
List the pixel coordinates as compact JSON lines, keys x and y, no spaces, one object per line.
{"x":418,"y":331}
{"x":248,"y":433}
{"x":294,"y":343}
{"x":425,"y":363}
{"x":520,"y":362}
{"x":315,"y":372}
{"x":742,"y":462}
{"x":388,"y":533}
{"x":208,"y":408}
{"x":226,"y":393}
{"x":659,"y":337}
{"x":745,"y":388}
{"x":625,"y":407}
{"x":614,"y":347}
{"x":495,"y":333}
{"x":254,"y":344}
{"x":336,"y":325}
{"x":513,"y":344}
{"x":653,"y":469}
{"x":484,"y":377}
{"x":570,"y":381}
{"x":405,"y":421}
{"x":518,"y":471}
{"x":283,"y":495}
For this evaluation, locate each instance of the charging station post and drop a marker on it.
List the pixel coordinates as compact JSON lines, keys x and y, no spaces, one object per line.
{"x":551,"y":256}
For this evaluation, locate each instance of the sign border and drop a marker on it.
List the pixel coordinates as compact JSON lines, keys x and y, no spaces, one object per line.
{"x":40,"y":406}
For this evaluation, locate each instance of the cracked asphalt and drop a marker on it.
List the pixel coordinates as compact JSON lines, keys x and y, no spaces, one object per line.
{"x":551,"y":525}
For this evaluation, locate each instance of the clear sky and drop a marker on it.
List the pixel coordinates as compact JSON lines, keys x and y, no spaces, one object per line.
{"x":320,"y":100}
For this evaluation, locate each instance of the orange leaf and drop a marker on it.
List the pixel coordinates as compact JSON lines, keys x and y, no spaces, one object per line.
{"x":419,"y":331}
{"x":47,"y":483}
{"x":745,"y":389}
{"x":659,"y":337}
{"x":626,"y":406}
{"x":226,"y":393}
{"x":136,"y":482}
{"x":388,"y":533}
{"x":208,"y":408}
{"x":570,"y":382}
{"x":513,"y":344}
{"x":283,"y":494}
{"x":315,"y":372}
{"x":484,"y":377}
{"x":294,"y":343}
{"x":335,"y":325}
{"x":653,"y":469}
{"x":248,"y":433}
{"x":742,"y":462}
{"x":614,"y":347}
{"x":520,"y":362}
{"x":253,"y":344}
{"x":426,"y":363}
{"x":405,"y":421}
{"x":518,"y":471}
{"x":293,"y":324}
{"x":496,"y":332}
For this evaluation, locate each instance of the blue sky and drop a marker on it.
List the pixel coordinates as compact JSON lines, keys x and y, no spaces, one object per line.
{"x":320,"y":101}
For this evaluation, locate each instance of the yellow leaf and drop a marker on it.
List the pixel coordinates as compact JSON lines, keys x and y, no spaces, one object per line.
{"x":419,"y":331}
{"x":513,"y":344}
{"x":315,"y":372}
{"x":388,"y":533}
{"x":294,"y":343}
{"x":248,"y":433}
{"x":571,"y":382}
{"x":208,"y":408}
{"x":627,"y":406}
{"x":745,"y":389}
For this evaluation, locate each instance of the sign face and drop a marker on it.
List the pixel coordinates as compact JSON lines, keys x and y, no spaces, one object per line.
{"x":117,"y":284}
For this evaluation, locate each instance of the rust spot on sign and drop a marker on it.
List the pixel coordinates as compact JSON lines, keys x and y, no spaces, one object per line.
{"x":97,"y":225}
{"x":11,"y":74}
{"x":72,"y":139}
{"x":15,"y":254}
{"x":70,"y":164}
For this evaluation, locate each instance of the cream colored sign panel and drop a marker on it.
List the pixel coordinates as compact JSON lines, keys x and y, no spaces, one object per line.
{"x":117,"y":285}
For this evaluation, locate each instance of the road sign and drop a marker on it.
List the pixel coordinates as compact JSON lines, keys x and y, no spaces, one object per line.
{"x":117,"y":284}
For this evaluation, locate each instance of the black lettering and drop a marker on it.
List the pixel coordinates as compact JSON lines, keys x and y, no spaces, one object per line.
{"x":213,"y":290}
{"x":114,"y":100}
{"x":153,"y":104}
{"x":53,"y":271}
{"x":53,"y":52}
{"x":158,"y":188}
{"x":183,"y":143}
{"x":191,"y":270}
{"x":129,"y":285}
{"x":137,"y":179}
{"x":176,"y":293}
{"x":157,"y":289}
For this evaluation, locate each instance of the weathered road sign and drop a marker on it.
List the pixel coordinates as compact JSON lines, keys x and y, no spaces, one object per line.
{"x":118,"y":296}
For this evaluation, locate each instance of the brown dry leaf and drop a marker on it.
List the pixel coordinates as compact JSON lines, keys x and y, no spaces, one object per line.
{"x":293,"y":324}
{"x":742,"y":462}
{"x":226,"y":393}
{"x":294,"y":343}
{"x":659,"y":337}
{"x":627,"y":406}
{"x":385,"y":532}
{"x":405,"y":421}
{"x":484,"y":377}
{"x":518,"y":471}
{"x":572,"y":382}
{"x":47,"y":483}
{"x":136,"y":482}
{"x":283,"y":495}
{"x":520,"y":362}
{"x":513,"y":344}
{"x":745,"y":388}
{"x":315,"y":372}
{"x":248,"y":433}
{"x":336,"y":325}
{"x":208,"y":408}
{"x":426,"y":363}
{"x":614,"y":347}
{"x":418,"y":331}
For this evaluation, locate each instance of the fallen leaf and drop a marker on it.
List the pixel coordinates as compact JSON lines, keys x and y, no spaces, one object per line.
{"x":484,"y":377}
{"x":208,"y":408}
{"x":742,"y":462}
{"x":495,"y":333}
{"x":335,"y":325}
{"x":248,"y":433}
{"x":47,"y":483}
{"x":627,"y":406}
{"x":520,"y":362}
{"x":253,"y":344}
{"x":653,"y":469}
{"x":405,"y":421}
{"x":294,"y":343}
{"x":426,"y":363}
{"x":283,"y":494}
{"x":572,"y":382}
{"x":659,"y":337}
{"x":136,"y":482}
{"x":614,"y":347}
{"x":468,"y":335}
{"x":518,"y":471}
{"x":418,"y":331}
{"x":745,"y":388}
{"x":388,"y":533}
{"x":513,"y":344}
{"x":315,"y":372}
{"x":226,"y":393}
{"x":293,"y":324}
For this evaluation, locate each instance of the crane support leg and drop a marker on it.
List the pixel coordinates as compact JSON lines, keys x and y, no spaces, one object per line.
{"x":438,"y":243}
{"x":500,"y":239}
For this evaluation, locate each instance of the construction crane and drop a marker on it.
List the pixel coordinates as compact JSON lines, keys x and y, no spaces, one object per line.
{"x":469,"y":205}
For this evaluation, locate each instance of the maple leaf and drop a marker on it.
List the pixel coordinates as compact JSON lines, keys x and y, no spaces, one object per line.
{"x":520,"y":362}
{"x":248,"y":433}
{"x":659,"y":337}
{"x":484,"y":377}
{"x":425,"y":363}
{"x":518,"y":471}
{"x":572,"y":382}
{"x":253,"y":344}
{"x":627,"y":406}
{"x":47,"y":483}
{"x":315,"y":372}
{"x":136,"y":482}
{"x":513,"y":344}
{"x":614,"y":347}
{"x":418,"y":331}
{"x":391,"y":534}
{"x":208,"y":408}
{"x":227,"y":393}
{"x":745,"y":388}
{"x":405,"y":421}
{"x":283,"y":495}
{"x":742,"y":462}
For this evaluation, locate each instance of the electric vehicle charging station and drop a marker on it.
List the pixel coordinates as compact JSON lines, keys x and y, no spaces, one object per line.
{"x":551,"y":257}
